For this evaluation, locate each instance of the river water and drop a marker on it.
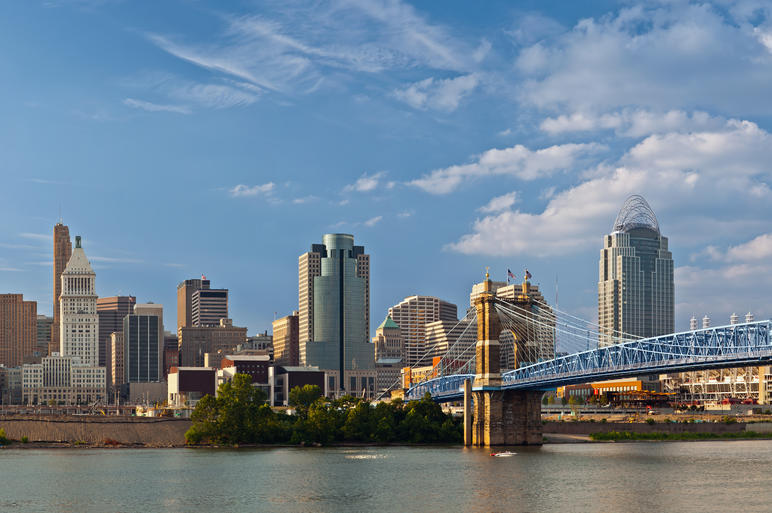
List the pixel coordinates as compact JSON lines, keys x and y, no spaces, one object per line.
{"x":624,"y":477}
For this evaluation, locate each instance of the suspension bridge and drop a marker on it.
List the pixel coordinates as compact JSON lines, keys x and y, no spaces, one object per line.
{"x":507,"y":405}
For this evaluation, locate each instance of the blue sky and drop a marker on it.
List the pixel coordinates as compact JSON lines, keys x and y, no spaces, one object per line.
{"x":186,"y":137}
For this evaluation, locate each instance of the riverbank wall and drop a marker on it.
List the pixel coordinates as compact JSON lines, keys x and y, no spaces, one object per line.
{"x":147,"y":431}
{"x":587,"y":428}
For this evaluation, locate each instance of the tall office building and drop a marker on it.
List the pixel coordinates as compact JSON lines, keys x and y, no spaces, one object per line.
{"x":143,"y":344}
{"x":334,"y":304}
{"x":208,"y":306}
{"x":185,"y":292}
{"x":412,"y":314}
{"x":286,"y":341}
{"x":79,"y":327}
{"x":45,"y":325}
{"x":62,"y":254}
{"x":200,"y":305}
{"x":18,"y":329}
{"x":635,"y":284}
{"x":309,"y":267}
{"x":111,"y":311}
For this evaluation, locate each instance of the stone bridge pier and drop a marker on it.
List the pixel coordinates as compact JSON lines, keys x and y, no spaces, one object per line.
{"x":493,"y":416}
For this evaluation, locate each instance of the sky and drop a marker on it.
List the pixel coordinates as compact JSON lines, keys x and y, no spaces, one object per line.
{"x":185,"y":137}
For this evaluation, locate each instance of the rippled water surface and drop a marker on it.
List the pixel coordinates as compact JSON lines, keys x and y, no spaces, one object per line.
{"x":633,"y":477}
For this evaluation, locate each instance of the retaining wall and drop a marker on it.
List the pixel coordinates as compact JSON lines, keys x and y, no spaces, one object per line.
{"x":94,"y":430}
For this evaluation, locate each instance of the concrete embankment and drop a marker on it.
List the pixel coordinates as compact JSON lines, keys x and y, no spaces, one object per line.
{"x":587,"y":428}
{"x":96,"y":430}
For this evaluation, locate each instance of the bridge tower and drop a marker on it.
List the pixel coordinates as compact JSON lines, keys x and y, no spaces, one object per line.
{"x":499,"y":417}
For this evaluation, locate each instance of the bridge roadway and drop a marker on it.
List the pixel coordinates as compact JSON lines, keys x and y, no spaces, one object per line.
{"x":737,"y":345}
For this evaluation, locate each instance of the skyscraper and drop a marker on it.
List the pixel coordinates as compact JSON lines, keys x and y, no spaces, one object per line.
{"x":79,"y":327}
{"x":209,"y":306}
{"x":338,"y":296}
{"x":199,"y":305}
{"x":185,"y":292}
{"x":412,"y":314}
{"x":73,"y":376}
{"x":18,"y":329}
{"x":111,"y":311}
{"x":143,"y":342}
{"x":635,"y":283}
{"x":45,"y":325}
{"x":62,"y":253}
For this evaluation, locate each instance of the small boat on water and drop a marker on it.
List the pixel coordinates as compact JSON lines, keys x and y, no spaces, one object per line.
{"x":503,"y":454}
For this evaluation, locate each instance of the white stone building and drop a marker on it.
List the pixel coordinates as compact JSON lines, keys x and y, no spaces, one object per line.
{"x":73,"y":375}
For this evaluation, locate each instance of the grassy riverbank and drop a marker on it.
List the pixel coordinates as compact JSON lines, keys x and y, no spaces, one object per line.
{"x":621,"y":436}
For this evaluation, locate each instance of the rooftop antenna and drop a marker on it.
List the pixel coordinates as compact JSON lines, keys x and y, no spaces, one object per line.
{"x":60,"y":213}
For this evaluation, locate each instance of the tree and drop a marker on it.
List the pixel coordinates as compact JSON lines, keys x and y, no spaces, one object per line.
{"x":303,"y":397}
{"x":233,"y":417}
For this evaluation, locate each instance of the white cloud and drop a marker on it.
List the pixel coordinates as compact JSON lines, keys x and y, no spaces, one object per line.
{"x":366,"y":183}
{"x":405,"y":214}
{"x":631,"y":122}
{"x":758,"y":248}
{"x":242,"y":190}
{"x":657,"y":56}
{"x":678,"y":173}
{"x":373,"y":221}
{"x":517,"y":161}
{"x":10,"y":269}
{"x":438,"y":94}
{"x":155,"y":107}
{"x":304,"y":199}
{"x":499,"y":203}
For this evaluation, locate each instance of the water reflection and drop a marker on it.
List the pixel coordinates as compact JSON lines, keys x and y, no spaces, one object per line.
{"x":636,"y":478}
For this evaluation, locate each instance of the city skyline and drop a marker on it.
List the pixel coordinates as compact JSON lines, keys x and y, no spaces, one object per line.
{"x":483,"y":147}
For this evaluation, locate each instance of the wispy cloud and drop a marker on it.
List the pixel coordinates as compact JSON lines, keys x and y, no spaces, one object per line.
{"x":242,"y":190}
{"x":119,"y":260}
{"x":304,"y":199}
{"x":437,"y":94}
{"x":44,"y":237}
{"x":373,"y":221}
{"x":294,"y":48}
{"x":45,"y":181}
{"x":155,"y":107}
{"x":500,"y":203}
{"x":365,"y":183}
{"x":10,"y":269}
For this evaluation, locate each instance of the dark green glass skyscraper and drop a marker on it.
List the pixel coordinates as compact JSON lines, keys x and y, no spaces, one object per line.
{"x":339,"y":314}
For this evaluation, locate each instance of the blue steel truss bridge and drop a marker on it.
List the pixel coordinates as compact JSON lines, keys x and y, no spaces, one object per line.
{"x":737,"y":345}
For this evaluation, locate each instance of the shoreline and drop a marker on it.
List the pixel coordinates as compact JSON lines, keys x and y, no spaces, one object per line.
{"x":549,"y":439}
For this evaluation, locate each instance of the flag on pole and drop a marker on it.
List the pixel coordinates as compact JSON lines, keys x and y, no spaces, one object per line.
{"x":527,"y":275}
{"x":510,"y":275}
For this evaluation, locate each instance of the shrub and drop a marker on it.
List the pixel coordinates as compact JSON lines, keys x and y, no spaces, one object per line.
{"x":726,"y":419}
{"x":3,"y":439}
{"x":650,"y":422}
{"x":603,"y":421}
{"x":24,"y":439}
